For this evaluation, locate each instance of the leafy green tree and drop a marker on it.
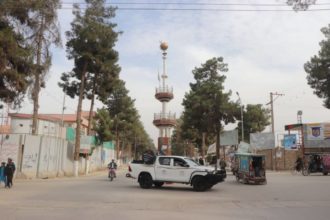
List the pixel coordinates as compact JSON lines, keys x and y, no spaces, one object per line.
{"x":103,"y":125}
{"x":121,"y":107}
{"x":256,"y":118}
{"x":15,"y":55}
{"x":207,"y":107}
{"x":300,"y":5}
{"x":120,"y":120}
{"x":43,"y":32}
{"x":90,"y":44}
{"x":317,"y":69}
{"x":177,"y":141}
{"x":103,"y":69}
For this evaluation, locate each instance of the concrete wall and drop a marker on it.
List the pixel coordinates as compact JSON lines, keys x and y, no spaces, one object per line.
{"x":9,"y":147}
{"x":280,"y":158}
{"x":45,"y":156}
{"x":23,"y":126}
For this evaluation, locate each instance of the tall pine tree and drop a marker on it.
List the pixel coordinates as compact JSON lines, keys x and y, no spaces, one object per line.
{"x":43,"y":32}
{"x":90,"y":44}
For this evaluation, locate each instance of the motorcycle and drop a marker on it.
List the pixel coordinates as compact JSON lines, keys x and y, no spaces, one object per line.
{"x":112,"y":174}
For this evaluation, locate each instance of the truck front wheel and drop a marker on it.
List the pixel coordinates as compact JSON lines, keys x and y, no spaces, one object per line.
{"x":145,"y":181}
{"x":199,"y":184}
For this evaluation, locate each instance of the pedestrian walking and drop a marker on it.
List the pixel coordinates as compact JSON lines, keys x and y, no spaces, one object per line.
{"x":201,"y":161}
{"x":223,"y":164}
{"x":9,"y":173}
{"x":2,"y":173}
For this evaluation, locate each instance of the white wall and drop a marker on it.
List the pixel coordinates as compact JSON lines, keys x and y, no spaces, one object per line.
{"x":9,"y":146}
{"x":31,"y":158}
{"x":45,"y":156}
{"x":23,"y":126}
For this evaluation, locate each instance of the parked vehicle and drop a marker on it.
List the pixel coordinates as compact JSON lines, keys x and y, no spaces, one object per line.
{"x":174,"y":169}
{"x":249,"y":168}
{"x":317,"y":163}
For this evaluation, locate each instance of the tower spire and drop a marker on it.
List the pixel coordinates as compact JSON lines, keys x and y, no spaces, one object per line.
{"x":164,"y":120}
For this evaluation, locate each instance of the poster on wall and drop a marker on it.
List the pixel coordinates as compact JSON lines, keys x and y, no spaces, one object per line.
{"x":318,"y":131}
{"x":290,"y":141}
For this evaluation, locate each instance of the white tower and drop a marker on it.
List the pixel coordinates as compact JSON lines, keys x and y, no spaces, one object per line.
{"x":165,"y":120}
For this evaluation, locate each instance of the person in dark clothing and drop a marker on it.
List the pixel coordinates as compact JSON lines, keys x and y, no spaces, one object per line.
{"x":201,"y":161}
{"x":112,"y":167}
{"x":299,"y":164}
{"x":9,"y":173}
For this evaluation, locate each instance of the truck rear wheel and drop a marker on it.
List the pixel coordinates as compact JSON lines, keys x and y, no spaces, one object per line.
{"x":199,"y":184}
{"x":145,"y":181}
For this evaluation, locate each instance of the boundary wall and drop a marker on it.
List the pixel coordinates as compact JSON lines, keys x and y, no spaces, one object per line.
{"x":46,"y":156}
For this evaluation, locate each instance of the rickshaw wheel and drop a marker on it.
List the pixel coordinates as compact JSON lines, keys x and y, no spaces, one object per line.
{"x":325,"y":173}
{"x":305,"y":172}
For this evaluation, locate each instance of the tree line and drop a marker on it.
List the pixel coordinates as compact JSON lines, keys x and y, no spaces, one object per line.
{"x":27,"y":31}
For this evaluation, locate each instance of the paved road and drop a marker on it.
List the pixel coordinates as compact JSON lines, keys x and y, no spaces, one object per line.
{"x":284,"y":197}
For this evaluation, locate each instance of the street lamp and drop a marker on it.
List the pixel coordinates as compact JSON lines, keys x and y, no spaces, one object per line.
{"x":240,"y":101}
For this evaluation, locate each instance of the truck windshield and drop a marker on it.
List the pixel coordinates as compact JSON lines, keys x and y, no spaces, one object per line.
{"x":191,"y":162}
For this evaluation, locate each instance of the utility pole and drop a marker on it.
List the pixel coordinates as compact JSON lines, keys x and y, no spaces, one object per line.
{"x":242,"y":120}
{"x":62,"y":116}
{"x":272,"y":99}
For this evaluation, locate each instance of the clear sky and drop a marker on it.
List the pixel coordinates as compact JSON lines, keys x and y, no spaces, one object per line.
{"x":265,"y":51}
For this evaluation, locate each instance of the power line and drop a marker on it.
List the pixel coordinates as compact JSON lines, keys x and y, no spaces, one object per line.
{"x":245,"y":8}
{"x":197,"y":4}
{"x":208,"y":9}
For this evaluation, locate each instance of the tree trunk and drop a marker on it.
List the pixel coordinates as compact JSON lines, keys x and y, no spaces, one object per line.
{"x":90,"y":117}
{"x":117,"y":144}
{"x":203,"y":145}
{"x":36,"y":89}
{"x":217,"y":146}
{"x":78,"y":121}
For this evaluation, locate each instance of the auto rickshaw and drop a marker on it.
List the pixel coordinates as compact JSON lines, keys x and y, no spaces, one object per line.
{"x":317,"y":163}
{"x":249,"y":168}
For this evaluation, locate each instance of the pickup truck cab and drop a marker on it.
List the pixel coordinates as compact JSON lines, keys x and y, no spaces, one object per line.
{"x":175,"y":169}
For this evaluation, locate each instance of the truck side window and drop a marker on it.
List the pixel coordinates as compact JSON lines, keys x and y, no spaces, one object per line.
{"x":178,"y":162}
{"x":165,"y":161}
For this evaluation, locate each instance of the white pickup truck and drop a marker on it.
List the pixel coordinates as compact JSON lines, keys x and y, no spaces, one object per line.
{"x":175,"y":169}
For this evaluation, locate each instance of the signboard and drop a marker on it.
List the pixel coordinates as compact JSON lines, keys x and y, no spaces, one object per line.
{"x":229,"y":138}
{"x":290,"y":141}
{"x":318,"y":131}
{"x":262,"y":140}
{"x":86,"y":142}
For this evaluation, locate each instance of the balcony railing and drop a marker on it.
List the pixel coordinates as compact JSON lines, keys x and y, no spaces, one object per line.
{"x":166,"y":116}
{"x":164,"y":94}
{"x":165,"y":89}
{"x":167,"y":119}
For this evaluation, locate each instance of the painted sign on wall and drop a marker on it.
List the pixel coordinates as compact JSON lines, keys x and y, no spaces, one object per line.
{"x":318,"y":131}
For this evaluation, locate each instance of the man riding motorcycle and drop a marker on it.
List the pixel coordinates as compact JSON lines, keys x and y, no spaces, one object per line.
{"x":112,"y":167}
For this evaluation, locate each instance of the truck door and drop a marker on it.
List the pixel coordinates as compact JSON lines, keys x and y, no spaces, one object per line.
{"x":162,"y":169}
{"x":180,"y":171}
